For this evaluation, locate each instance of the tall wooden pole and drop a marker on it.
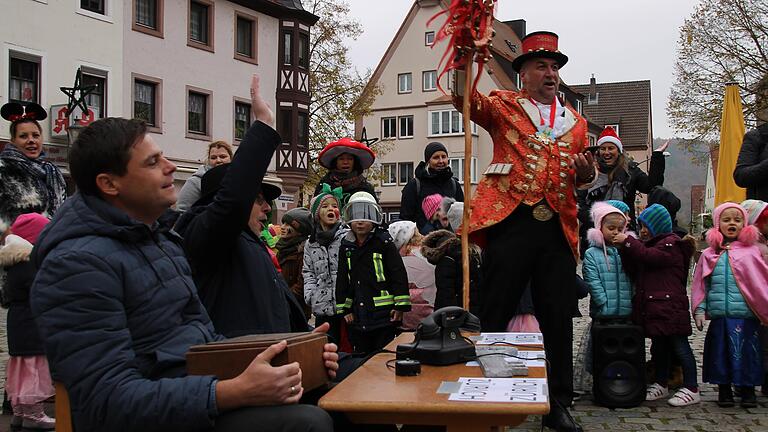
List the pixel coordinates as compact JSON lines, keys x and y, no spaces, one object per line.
{"x":467,"y":179}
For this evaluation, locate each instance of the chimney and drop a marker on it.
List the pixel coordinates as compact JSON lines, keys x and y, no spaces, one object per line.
{"x":592,"y":87}
{"x":517,"y":26}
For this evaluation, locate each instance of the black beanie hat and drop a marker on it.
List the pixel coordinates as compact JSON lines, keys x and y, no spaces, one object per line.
{"x":431,"y":148}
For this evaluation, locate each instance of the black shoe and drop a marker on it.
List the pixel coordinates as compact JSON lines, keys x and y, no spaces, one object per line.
{"x":725,"y":396}
{"x":560,"y":419}
{"x":748,"y":398}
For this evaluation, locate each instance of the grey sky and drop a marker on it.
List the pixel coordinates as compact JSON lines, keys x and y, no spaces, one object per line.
{"x":615,"y":40}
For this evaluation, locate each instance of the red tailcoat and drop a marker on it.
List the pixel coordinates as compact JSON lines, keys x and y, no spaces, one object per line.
{"x":539,"y":170}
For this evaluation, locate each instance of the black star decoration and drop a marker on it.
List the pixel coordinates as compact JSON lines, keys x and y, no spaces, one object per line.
{"x":365,"y":140}
{"x":71,"y":92}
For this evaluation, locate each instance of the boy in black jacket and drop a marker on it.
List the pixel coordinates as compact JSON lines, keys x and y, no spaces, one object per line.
{"x":371,"y":284}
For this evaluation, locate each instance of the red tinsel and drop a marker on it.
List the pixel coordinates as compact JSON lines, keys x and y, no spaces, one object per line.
{"x":469,"y":28}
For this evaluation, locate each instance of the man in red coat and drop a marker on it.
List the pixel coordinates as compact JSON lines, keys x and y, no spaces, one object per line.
{"x":524,"y":209}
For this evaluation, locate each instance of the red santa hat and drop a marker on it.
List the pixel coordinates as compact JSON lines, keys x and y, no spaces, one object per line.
{"x":608,"y":135}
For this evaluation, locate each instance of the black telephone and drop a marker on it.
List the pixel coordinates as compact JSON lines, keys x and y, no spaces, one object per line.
{"x":438,"y":340}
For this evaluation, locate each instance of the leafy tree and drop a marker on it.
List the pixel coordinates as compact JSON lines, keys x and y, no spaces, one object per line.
{"x":722,"y":41}
{"x":335,"y":84}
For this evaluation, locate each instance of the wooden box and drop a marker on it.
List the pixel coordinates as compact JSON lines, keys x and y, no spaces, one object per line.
{"x":228,"y":358}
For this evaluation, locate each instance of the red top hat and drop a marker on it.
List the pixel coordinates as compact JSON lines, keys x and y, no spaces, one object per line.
{"x":539,"y":44}
{"x":360,"y":151}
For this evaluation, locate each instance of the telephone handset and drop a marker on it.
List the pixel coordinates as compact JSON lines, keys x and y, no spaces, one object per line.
{"x":438,"y":339}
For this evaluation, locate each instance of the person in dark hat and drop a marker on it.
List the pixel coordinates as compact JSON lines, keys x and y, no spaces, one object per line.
{"x":523,"y":212}
{"x":345,"y":160}
{"x":295,"y":230}
{"x":234,"y":273}
{"x":30,"y":183}
{"x":432,"y":176}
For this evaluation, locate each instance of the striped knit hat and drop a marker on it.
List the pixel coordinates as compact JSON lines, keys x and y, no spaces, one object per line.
{"x":325,"y":193}
{"x":657,"y":219}
{"x":754,"y":209}
{"x":621,"y":205}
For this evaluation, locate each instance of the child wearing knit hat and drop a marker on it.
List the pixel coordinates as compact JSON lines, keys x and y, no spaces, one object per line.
{"x":294,"y":231}
{"x":28,"y":382}
{"x":610,"y":288}
{"x":436,"y":214}
{"x":321,"y":262}
{"x":729,"y":289}
{"x":658,"y":264}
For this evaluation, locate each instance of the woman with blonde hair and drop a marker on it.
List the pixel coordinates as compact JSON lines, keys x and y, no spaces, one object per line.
{"x":218,"y":153}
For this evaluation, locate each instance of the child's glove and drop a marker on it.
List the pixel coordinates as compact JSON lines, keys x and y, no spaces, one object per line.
{"x":349,"y":318}
{"x":396,"y":316}
{"x":699,"y":320}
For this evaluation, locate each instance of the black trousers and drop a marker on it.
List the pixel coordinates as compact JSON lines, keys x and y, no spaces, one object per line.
{"x":369,"y":341}
{"x":282,"y":418}
{"x":520,"y":249}
{"x":334,"y":333}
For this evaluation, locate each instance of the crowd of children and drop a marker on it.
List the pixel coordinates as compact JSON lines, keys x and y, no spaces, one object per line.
{"x":644,"y":277}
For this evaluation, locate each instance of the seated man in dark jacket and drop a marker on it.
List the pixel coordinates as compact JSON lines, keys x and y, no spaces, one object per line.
{"x":234,"y":273}
{"x":117,"y":308}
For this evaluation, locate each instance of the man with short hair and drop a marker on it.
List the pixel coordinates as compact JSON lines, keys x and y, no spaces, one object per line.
{"x":524,"y":209}
{"x":117,"y":308}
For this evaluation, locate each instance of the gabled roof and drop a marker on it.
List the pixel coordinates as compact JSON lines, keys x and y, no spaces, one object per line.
{"x":505,"y":45}
{"x":627,"y":104}
{"x":280,"y":9}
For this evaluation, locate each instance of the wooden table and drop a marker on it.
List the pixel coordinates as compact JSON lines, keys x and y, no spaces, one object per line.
{"x":374,"y":394}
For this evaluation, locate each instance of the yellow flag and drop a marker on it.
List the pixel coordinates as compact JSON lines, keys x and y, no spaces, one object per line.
{"x":731,"y":135}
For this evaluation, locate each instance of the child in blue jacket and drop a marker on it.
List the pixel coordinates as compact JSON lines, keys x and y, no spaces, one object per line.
{"x":610,"y":288}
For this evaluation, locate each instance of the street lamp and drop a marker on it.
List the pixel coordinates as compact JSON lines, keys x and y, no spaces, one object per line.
{"x":73,"y":131}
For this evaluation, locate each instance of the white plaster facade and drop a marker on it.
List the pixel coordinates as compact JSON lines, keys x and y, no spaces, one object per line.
{"x":180,"y":67}
{"x":408,"y":53}
{"x":61,"y":37}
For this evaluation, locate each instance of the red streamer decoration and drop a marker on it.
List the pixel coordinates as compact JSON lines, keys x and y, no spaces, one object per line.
{"x":469,"y":29}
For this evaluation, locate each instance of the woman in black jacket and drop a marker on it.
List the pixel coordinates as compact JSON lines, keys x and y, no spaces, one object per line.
{"x":618,"y":179}
{"x":433,"y":176}
{"x":752,"y":165}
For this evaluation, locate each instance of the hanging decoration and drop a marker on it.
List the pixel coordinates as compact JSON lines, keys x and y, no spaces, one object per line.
{"x":469,"y":30}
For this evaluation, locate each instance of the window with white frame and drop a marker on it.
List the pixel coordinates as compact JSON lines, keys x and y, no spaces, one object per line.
{"x":242,"y":119}
{"x":95,"y":6}
{"x":592,"y":140}
{"x":615,"y":127}
{"x":24,"y":82}
{"x":561,"y":95}
{"x":429,"y":80}
{"x":447,"y":122}
{"x":393,"y":217}
{"x":429,"y":38}
{"x":578,"y":106}
{"x":405,"y":171}
{"x":404,"y":83}
{"x":388,"y":128}
{"x":388,"y":174}
{"x":98,"y":97}
{"x":457,"y":167}
{"x":406,"y":126}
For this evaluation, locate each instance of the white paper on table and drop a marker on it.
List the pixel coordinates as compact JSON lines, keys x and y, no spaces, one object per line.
{"x":520,"y":390}
{"x":511,"y":338}
{"x":529,"y":358}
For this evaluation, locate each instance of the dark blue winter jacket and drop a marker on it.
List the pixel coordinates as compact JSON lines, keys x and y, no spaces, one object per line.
{"x":117,"y":311}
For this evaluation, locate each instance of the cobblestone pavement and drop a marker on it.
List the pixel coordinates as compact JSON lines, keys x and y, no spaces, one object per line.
{"x":651,"y":416}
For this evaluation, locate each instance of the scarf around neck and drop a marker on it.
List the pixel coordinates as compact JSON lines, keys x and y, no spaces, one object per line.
{"x":288,"y":247}
{"x":325,"y":238}
{"x":44,"y":173}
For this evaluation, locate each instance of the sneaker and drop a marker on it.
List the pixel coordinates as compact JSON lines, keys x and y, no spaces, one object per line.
{"x":725,"y":396}
{"x":684,"y":397}
{"x":655,"y":392}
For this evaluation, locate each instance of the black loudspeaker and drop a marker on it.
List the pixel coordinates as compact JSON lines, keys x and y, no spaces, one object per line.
{"x":618,"y":365}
